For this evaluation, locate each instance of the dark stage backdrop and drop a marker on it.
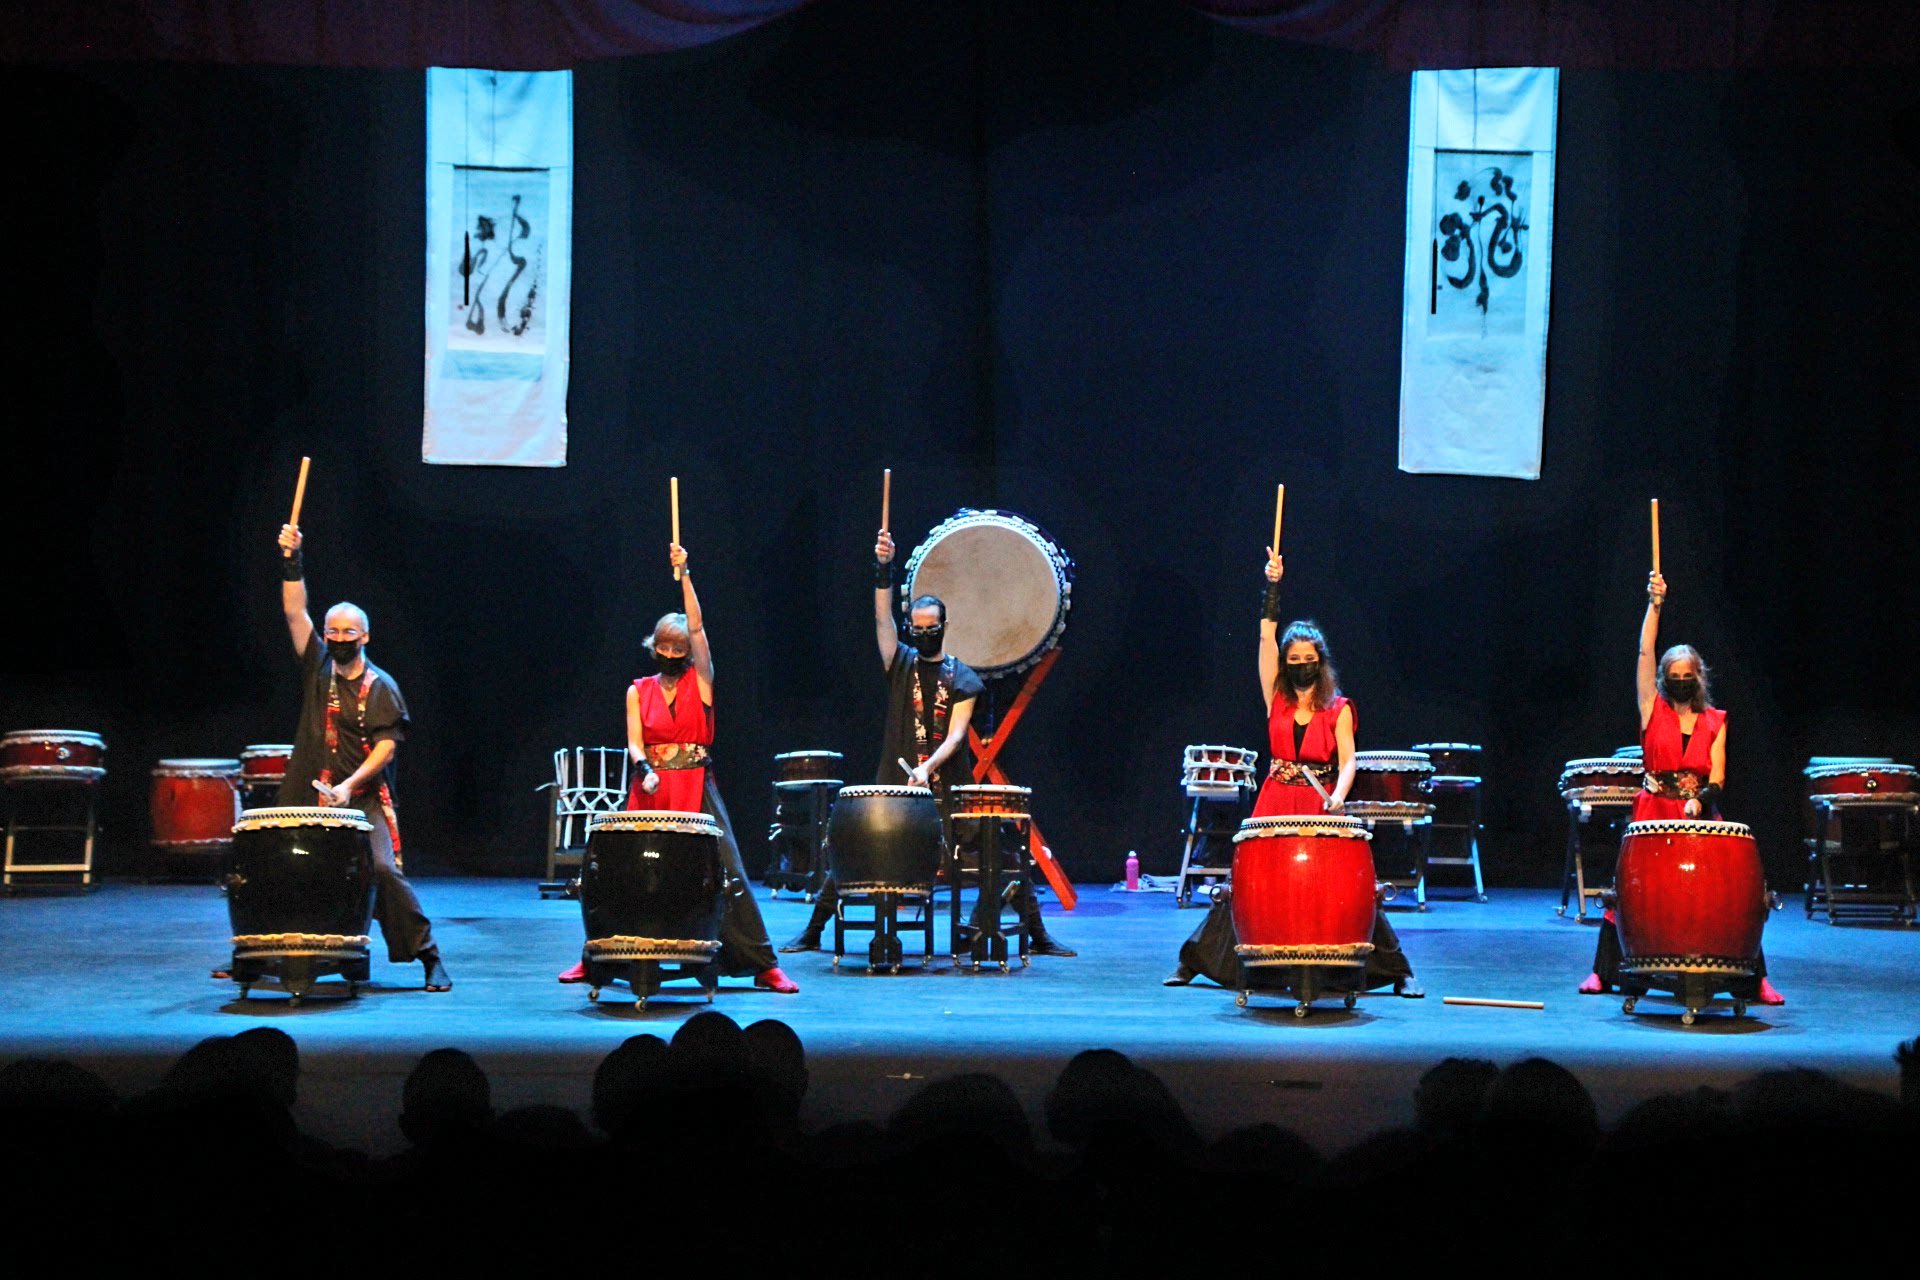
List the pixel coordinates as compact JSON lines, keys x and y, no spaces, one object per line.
{"x":1117,"y":268}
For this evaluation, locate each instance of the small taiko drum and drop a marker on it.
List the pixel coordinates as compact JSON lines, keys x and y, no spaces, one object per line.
{"x":194,"y":804}
{"x":885,"y":839}
{"x":797,"y":770}
{"x":53,"y":754}
{"x":1601,"y":777}
{"x":1451,"y":759}
{"x":652,"y":889}
{"x":263,"y":767}
{"x":1207,"y":769}
{"x":1303,"y":893}
{"x":1858,"y":779}
{"x":1391,"y":784}
{"x":300,"y":896}
{"x":1010,"y":804}
{"x":1692,"y":902}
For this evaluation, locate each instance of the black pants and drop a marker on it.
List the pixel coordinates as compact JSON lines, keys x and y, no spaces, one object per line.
{"x":1210,"y":952}
{"x":1607,"y":957}
{"x":744,"y":946}
{"x":408,"y":932}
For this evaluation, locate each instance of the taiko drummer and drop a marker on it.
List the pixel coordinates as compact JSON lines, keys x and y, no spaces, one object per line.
{"x":669,"y":741}
{"x":1310,"y":731}
{"x":1683,"y":752}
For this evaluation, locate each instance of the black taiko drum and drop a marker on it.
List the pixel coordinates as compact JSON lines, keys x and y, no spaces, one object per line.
{"x":885,"y":839}
{"x":652,"y":887}
{"x":300,"y":895}
{"x":801,"y":769}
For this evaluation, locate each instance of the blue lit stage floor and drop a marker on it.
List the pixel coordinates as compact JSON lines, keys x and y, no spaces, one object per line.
{"x":117,"y":979}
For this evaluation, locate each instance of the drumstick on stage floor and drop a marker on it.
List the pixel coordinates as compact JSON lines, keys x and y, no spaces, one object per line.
{"x":1494,"y":1004}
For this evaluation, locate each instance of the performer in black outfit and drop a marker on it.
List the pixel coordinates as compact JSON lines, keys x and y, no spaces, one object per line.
{"x":930,"y":697}
{"x":352,"y":721}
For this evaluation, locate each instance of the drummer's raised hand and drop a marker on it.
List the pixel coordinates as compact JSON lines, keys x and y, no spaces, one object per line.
{"x":677,"y":556}
{"x":289,"y":538}
{"x":1656,"y":587}
{"x":883,"y":548}
{"x":1276,"y":565}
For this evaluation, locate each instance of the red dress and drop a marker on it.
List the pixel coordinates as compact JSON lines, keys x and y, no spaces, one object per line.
{"x":686,"y":721}
{"x":1661,"y":752}
{"x":1319,"y":746}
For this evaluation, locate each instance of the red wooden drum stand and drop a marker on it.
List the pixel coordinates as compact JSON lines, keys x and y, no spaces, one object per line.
{"x":1692,"y":903}
{"x":1303,"y":902}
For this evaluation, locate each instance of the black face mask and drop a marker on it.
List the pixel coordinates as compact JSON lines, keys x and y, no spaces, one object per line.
{"x":343,"y":652}
{"x":1682,"y":692}
{"x":928,"y":640}
{"x":672,"y":666}
{"x":1303,"y":675}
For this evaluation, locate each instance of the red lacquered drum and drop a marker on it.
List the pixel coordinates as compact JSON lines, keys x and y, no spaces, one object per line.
{"x":195,"y":804}
{"x":1452,"y":759}
{"x":1013,"y":803}
{"x":1693,"y":898}
{"x":1391,"y":783}
{"x":263,"y":767}
{"x":53,"y":753}
{"x":1880,"y":779}
{"x":1607,"y":776}
{"x":1303,"y":891}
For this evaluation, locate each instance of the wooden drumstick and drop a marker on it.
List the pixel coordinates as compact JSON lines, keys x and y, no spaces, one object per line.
{"x":1279,"y":506}
{"x":1494,"y":1004}
{"x":886,"y":499}
{"x":673,"y":495}
{"x":1656,"y":535}
{"x":299,"y":496}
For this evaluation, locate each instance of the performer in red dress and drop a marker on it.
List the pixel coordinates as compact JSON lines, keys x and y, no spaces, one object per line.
{"x":1310,"y":727}
{"x":1683,"y":750}
{"x":669,"y":736}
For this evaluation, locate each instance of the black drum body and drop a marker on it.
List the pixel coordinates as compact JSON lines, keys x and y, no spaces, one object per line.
{"x":300,"y":896}
{"x":885,"y":839}
{"x":652,"y":891}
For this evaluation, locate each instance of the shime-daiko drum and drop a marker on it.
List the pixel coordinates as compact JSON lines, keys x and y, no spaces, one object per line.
{"x":1303,"y":901}
{"x":299,"y":897}
{"x":1692,"y":902}
{"x":884,"y":844}
{"x":1006,"y":584}
{"x":652,"y":891}
{"x":64,"y":754}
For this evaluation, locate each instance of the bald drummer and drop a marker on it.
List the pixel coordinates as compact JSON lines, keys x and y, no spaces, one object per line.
{"x":352,"y":721}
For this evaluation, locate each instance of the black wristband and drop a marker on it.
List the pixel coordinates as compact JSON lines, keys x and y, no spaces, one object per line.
{"x":1270,"y":607}
{"x":1708,"y":795}
{"x":882,"y":575}
{"x":293,"y":568}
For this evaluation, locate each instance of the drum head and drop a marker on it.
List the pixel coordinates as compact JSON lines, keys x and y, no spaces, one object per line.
{"x":1006,"y":585}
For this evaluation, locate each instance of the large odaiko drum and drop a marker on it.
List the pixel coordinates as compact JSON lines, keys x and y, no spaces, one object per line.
{"x":194,"y":805}
{"x":652,"y":891}
{"x":68,"y":755}
{"x":1006,"y":584}
{"x":1303,"y":900}
{"x":1692,"y":903}
{"x":299,"y":896}
{"x":885,"y":839}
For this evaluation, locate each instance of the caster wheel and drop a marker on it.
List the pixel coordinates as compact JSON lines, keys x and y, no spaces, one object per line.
{"x":1626,"y":1006}
{"x":640,"y":1005}
{"x":593,"y":996}
{"x":294,"y":1001}
{"x":1241,"y":1000}
{"x":1687,"y":1018}
{"x":1005,"y":967}
{"x":710,"y":997}
{"x":871,"y":971}
{"x":1739,"y":1008}
{"x":1026,"y":962}
{"x":1352,"y":1000}
{"x":1561,"y":912}
{"x":893,"y":968}
{"x":1479,"y":897}
{"x":836,"y":962}
{"x":1300,"y":1011}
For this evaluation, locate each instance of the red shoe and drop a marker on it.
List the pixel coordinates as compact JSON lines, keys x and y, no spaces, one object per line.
{"x":576,"y":974}
{"x":1593,"y":986}
{"x":1769,"y":994}
{"x":774,"y":980}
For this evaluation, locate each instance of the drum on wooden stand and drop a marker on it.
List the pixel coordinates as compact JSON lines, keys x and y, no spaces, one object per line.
{"x":652,"y":892}
{"x":1006,"y":584}
{"x":1451,"y":759}
{"x":1692,"y":903}
{"x":1601,"y":779}
{"x":194,"y":805}
{"x":884,"y":845}
{"x":1857,"y":819}
{"x":263,"y":767}
{"x":1303,"y":900}
{"x":1391,"y":784}
{"x":993,"y":818}
{"x":67,"y":755}
{"x":299,"y":897}
{"x":801,"y":769}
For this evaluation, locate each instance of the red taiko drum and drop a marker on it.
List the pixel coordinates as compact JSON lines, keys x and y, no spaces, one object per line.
{"x":195,"y":804}
{"x":1303,"y":891}
{"x":1693,"y":898}
{"x":53,"y":753}
{"x":1391,"y":778}
{"x":1877,"y":778}
{"x":263,"y":767}
{"x":984,"y":801}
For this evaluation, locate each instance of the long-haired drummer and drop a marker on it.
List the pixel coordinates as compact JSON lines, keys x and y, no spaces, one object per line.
{"x":669,"y":741}
{"x":1310,"y":731}
{"x":352,"y":721}
{"x":1683,"y":751}
{"x":930,"y":699}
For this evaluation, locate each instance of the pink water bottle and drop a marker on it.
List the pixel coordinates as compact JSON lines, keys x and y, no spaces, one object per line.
{"x":1133,"y":871}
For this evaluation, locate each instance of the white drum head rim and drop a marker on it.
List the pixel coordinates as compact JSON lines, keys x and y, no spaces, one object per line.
{"x":1689,"y":827}
{"x":979,"y":633}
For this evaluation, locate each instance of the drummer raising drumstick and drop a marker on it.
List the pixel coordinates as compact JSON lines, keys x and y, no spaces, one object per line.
{"x":669,"y":731}
{"x":1683,"y":750}
{"x":930,"y":697}
{"x":1310,"y":728}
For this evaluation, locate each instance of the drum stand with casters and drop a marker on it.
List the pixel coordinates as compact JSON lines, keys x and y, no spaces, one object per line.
{"x":88,"y":828}
{"x":644,"y":974}
{"x":1830,"y":887}
{"x":1451,"y":795}
{"x":295,"y":965}
{"x":1694,"y":988}
{"x":809,"y":835}
{"x":998,"y":883}
{"x":1583,"y":804}
{"x":883,"y":922}
{"x":1213,"y":816}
